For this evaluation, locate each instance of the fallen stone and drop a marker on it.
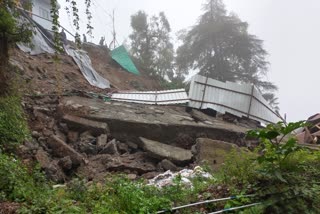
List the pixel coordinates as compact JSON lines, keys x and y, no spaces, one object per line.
{"x":88,"y":148}
{"x":110,"y":148}
{"x":35,"y":134}
{"x":82,"y":124}
{"x":43,"y":158}
{"x":65,"y":163}
{"x":47,"y":132}
{"x":163,"y":151}
{"x":102,"y":140}
{"x":64,"y":127}
{"x":168,"y":165}
{"x":123,"y":148}
{"x":132,"y":176}
{"x":32,"y":145}
{"x":54,"y":173}
{"x":61,"y":135}
{"x":73,"y":137}
{"x":150,"y":175}
{"x":61,"y":149}
{"x":132,"y":146}
{"x":134,"y":163}
{"x":213,"y":152}
{"x":87,"y":144}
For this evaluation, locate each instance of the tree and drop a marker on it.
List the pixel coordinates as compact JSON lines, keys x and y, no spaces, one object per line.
{"x":11,"y":31}
{"x":151,"y":44}
{"x":220,"y":46}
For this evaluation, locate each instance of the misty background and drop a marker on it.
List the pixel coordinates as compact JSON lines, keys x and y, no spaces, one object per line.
{"x":289,"y":28}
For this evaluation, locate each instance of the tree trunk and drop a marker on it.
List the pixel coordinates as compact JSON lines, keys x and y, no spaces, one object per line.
{"x":4,"y":58}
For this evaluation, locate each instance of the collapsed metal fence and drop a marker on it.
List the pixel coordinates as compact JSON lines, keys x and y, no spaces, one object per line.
{"x":167,"y":97}
{"x":243,"y":100}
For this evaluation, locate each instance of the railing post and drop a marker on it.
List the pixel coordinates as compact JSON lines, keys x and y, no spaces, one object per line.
{"x":251,"y":98}
{"x":204,"y":90}
{"x":156,"y":98}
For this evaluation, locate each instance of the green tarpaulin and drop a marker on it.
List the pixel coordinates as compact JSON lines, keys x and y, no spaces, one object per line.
{"x":121,"y":56}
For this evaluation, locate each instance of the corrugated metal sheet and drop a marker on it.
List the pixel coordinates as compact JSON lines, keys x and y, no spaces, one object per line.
{"x":230,"y":97}
{"x":177,"y":96}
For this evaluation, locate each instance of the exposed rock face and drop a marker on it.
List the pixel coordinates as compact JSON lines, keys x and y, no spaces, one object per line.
{"x":213,"y":152}
{"x":82,"y":124}
{"x":61,"y":149}
{"x":163,"y":151}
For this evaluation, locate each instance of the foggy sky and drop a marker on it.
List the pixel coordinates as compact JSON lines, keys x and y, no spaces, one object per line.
{"x":290,"y":29}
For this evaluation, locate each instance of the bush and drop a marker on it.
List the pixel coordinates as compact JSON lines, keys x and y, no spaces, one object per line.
{"x":287,"y":177}
{"x":18,"y":183}
{"x":13,"y":125}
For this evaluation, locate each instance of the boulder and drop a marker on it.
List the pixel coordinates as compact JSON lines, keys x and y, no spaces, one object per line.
{"x":132,"y":176}
{"x":213,"y":152}
{"x":61,"y":149}
{"x":43,"y":158}
{"x":132,"y":146}
{"x":54,"y":172}
{"x":163,"y":151}
{"x":65,"y":163}
{"x":82,"y":124}
{"x":167,"y":165}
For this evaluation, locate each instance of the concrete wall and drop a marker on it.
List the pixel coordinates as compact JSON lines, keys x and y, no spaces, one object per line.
{"x":42,"y":8}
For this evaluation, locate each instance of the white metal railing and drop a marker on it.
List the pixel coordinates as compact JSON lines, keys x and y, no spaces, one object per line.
{"x":167,"y":97}
{"x":238,"y":99}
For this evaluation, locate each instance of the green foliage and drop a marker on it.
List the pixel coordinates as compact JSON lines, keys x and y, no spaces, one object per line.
{"x":238,"y":170}
{"x":18,"y":183}
{"x":151,"y":44}
{"x":10,"y":28}
{"x":13,"y":125}
{"x":287,"y":174}
{"x":275,"y":152}
{"x":220,"y":46}
{"x":282,"y":174}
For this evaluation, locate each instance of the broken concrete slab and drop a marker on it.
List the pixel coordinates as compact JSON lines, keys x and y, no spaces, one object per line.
{"x":82,"y":124}
{"x":126,"y":126}
{"x":213,"y":152}
{"x":163,"y":151}
{"x":61,"y":149}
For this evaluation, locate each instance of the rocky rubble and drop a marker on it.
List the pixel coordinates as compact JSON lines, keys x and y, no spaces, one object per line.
{"x":91,"y":139}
